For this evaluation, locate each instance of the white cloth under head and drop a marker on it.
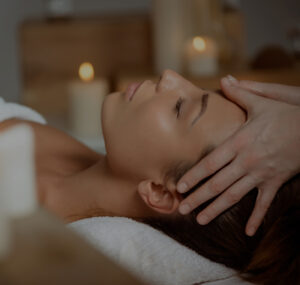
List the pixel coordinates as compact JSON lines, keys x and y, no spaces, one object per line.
{"x":150,"y":254}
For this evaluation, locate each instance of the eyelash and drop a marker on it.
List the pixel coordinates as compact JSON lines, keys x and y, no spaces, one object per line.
{"x":178,"y":106}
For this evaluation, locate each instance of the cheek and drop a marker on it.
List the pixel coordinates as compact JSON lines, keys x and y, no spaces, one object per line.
{"x":139,"y":141}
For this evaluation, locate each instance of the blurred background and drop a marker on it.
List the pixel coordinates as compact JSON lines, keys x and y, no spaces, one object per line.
{"x":43,"y":44}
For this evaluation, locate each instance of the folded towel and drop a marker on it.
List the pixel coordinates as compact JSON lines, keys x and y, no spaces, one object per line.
{"x":148,"y":253}
{"x":14,"y":110}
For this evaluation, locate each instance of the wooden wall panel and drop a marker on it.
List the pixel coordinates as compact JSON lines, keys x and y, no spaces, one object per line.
{"x":51,"y":52}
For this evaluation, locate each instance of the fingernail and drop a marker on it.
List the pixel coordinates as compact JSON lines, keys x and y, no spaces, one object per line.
{"x":202,"y":220}
{"x":251,"y":231}
{"x":232,"y":79}
{"x":184,"y":209}
{"x":182,"y":187}
{"x":225,"y":81}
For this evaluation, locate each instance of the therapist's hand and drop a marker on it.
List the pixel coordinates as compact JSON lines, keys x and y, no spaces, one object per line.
{"x":264,"y":153}
{"x":280,"y":92}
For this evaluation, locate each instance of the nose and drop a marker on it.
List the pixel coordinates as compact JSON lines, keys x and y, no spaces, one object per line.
{"x":170,"y":80}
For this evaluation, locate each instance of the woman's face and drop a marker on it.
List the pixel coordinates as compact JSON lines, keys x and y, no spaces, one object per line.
{"x":164,"y":124}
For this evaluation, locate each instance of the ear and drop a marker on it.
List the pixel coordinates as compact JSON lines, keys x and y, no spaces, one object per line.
{"x":158,"y":197}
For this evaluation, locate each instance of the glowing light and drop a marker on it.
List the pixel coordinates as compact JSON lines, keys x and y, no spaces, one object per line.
{"x":86,"y":72}
{"x":199,"y":44}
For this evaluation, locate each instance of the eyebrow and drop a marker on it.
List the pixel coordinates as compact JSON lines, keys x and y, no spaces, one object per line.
{"x":203,"y":108}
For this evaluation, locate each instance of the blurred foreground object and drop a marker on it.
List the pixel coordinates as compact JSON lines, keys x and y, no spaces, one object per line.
{"x":17,"y":173}
{"x":36,"y":247}
{"x":46,"y":252}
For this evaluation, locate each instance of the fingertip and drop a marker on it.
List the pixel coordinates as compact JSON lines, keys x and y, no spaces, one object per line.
{"x":250,"y":231}
{"x":225,"y":82}
{"x":229,"y":80}
{"x":232,"y":79}
{"x":184,"y":209}
{"x":182,"y":187}
{"x":202,"y":219}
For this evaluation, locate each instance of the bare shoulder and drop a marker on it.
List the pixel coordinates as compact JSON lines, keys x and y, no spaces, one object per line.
{"x":50,"y":139}
{"x":39,"y":129}
{"x":10,"y":123}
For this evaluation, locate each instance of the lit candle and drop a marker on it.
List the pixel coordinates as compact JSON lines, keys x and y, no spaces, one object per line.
{"x":17,"y":176}
{"x":201,"y":56}
{"x":86,"y":98}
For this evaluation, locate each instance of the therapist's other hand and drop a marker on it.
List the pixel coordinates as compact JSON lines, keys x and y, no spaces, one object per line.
{"x":284,"y":93}
{"x":264,"y":153}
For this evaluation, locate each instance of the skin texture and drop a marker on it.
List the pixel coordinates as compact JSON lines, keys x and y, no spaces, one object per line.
{"x":264,"y":153}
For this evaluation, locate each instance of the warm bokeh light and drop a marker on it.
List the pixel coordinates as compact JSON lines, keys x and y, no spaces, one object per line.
{"x":86,"y":72}
{"x":199,"y":44}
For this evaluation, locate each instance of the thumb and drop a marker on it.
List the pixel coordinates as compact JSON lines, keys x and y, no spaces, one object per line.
{"x":243,"y":97}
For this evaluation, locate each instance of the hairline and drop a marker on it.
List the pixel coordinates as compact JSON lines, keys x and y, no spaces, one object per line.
{"x":176,"y":170}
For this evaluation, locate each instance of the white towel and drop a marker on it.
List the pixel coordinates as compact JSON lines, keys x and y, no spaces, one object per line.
{"x":150,"y":254}
{"x":14,"y":110}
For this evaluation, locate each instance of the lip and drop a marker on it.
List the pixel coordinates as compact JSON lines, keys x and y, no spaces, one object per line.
{"x":131,"y":90}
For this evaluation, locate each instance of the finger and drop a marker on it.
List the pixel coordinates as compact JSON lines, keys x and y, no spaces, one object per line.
{"x":284,"y":93}
{"x":216,"y":185}
{"x":263,"y":201}
{"x":230,"y":197}
{"x":219,"y":157}
{"x":243,"y":97}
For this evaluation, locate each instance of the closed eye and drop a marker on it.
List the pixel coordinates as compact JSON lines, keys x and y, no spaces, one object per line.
{"x":178,"y":107}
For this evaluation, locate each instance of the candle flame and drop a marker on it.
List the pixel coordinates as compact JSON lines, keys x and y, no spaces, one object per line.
{"x":199,"y":44}
{"x":86,"y":72}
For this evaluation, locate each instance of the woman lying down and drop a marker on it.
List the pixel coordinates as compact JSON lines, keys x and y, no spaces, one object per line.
{"x":153,"y":134}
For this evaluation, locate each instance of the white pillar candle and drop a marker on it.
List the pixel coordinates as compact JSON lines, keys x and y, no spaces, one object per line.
{"x":86,"y":98}
{"x":201,"y":56}
{"x":17,"y":172}
{"x":169,"y":34}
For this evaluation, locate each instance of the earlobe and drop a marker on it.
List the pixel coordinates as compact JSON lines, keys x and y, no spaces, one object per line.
{"x":158,"y":197}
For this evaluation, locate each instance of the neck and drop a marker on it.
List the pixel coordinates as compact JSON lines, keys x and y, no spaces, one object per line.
{"x":97,"y":191}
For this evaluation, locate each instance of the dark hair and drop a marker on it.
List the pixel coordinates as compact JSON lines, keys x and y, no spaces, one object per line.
{"x":271,"y":256}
